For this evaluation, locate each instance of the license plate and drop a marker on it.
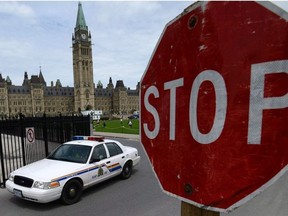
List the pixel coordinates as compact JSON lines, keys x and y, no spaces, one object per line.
{"x":18,"y":193}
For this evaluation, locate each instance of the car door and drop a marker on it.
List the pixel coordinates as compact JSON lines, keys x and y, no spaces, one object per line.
{"x":116,"y":158}
{"x":99,"y":163}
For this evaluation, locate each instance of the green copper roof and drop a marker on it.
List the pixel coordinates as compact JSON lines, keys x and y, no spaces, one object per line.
{"x":80,"y":22}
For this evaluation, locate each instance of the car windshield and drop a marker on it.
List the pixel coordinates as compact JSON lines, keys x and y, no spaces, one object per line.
{"x":71,"y":153}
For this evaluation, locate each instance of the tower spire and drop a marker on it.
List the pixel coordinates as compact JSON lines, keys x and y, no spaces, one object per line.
{"x":80,"y":22}
{"x":82,"y":64}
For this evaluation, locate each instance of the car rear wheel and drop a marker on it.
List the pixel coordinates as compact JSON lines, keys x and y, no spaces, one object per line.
{"x":72,"y":192}
{"x":127,"y":170}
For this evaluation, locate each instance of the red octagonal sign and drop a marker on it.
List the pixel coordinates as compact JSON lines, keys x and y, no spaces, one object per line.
{"x":214,"y":103}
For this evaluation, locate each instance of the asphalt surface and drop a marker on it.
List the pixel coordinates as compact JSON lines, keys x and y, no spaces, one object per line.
{"x":138,"y":195}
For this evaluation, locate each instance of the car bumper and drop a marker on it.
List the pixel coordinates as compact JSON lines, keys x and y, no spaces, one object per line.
{"x":34,"y":194}
{"x":136,"y":161}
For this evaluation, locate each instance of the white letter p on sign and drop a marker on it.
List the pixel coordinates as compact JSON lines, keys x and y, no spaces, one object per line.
{"x":257,"y":101}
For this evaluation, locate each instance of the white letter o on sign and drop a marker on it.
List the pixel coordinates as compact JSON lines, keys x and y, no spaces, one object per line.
{"x":221,"y":106}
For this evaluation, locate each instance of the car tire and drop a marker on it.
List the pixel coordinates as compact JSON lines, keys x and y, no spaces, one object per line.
{"x":72,"y":192}
{"x":127,"y":170}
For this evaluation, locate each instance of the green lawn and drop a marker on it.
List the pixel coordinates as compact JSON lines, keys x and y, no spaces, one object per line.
{"x":115,"y":126}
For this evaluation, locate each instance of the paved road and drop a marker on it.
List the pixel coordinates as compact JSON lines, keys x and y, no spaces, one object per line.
{"x":139,"y":195}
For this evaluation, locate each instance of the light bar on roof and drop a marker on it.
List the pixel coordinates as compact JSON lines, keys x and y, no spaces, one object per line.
{"x":96,"y":138}
{"x":91,"y":138}
{"x":78,"y":138}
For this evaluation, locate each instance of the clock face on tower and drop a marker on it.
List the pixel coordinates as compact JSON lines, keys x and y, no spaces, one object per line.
{"x":83,"y":36}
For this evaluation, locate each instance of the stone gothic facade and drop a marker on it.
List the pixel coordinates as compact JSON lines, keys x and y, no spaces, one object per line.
{"x":35,"y":97}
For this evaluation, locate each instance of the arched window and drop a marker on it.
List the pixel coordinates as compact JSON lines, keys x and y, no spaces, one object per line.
{"x":87,"y":94}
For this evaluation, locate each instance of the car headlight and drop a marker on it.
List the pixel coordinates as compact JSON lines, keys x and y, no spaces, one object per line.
{"x":11,"y":177}
{"x":45,"y":185}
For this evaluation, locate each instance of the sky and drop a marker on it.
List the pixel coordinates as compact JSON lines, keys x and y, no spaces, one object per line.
{"x":38,"y":34}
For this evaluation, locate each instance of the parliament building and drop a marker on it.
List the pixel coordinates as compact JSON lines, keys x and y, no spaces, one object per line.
{"x":34,"y":97}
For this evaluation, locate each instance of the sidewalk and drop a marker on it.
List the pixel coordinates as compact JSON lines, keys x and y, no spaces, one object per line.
{"x":118,"y":135}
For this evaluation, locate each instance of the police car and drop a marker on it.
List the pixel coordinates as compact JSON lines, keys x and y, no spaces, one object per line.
{"x":71,"y":168}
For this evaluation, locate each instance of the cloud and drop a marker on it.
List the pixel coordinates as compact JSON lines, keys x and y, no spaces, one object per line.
{"x":282,"y":4}
{"x":17,"y":9}
{"x":124,"y":35}
{"x":14,"y":48}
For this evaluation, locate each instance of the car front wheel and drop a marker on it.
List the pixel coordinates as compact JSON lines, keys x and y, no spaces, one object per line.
{"x":127,"y":170}
{"x":72,"y":192}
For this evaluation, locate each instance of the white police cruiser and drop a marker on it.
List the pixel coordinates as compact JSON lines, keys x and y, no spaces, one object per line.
{"x":72,"y":167}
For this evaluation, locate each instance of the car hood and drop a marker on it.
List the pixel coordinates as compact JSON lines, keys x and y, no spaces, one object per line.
{"x":47,"y":170}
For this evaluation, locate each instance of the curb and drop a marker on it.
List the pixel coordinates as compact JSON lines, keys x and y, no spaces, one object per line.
{"x":118,"y":135}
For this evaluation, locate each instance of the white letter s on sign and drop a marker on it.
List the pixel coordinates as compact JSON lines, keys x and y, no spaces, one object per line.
{"x":151,"y":134}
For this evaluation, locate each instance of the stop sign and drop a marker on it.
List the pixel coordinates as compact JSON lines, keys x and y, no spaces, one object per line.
{"x":214,"y":103}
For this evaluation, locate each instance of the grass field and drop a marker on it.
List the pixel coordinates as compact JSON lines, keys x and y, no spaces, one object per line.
{"x":115,"y":126}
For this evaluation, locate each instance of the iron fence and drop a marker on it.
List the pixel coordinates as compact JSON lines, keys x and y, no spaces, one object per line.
{"x":49,"y":132}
